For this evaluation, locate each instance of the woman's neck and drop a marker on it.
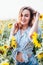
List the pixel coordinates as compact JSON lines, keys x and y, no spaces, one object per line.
{"x":25,"y":27}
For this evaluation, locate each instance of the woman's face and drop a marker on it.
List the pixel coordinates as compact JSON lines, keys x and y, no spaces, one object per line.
{"x":25,"y":17}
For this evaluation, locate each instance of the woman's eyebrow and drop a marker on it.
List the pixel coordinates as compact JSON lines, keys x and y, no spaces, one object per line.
{"x":24,"y":14}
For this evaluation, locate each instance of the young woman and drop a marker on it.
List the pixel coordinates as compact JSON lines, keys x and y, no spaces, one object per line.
{"x":22,"y":31}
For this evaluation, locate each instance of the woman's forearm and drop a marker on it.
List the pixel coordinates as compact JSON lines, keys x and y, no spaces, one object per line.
{"x":35,"y":26}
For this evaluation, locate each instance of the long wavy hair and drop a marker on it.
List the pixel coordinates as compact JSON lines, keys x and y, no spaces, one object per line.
{"x":19,"y":25}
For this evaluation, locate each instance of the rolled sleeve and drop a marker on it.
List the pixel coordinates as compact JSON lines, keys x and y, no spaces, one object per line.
{"x":14,"y":53}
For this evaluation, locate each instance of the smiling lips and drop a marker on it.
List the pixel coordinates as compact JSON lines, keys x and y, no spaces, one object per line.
{"x":23,"y":22}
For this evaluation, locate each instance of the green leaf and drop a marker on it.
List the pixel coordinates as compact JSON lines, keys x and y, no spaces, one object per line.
{"x":9,"y":52}
{"x":34,"y":50}
{"x":11,"y":60}
{"x":39,"y":39}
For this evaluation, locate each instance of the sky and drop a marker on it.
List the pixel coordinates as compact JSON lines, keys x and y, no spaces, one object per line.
{"x":9,"y":9}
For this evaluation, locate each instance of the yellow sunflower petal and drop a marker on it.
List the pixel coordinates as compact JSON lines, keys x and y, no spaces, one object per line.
{"x":14,"y":44}
{"x":34,"y":35}
{"x":13,"y":38}
{"x":42,"y":26}
{"x":35,"y":42}
{"x":2,"y":50}
{"x":41,"y":17}
{"x":5,"y":63}
{"x":10,"y":25}
{"x":6,"y":46}
{"x":1,"y":31}
{"x":40,"y":56}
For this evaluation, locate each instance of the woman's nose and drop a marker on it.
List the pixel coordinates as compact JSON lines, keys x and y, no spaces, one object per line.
{"x":23,"y":17}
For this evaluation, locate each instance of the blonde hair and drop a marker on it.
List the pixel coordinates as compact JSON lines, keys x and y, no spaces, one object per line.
{"x":19,"y":25}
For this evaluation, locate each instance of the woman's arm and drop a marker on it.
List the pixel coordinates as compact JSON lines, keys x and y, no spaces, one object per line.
{"x":35,"y":25}
{"x":14,"y":30}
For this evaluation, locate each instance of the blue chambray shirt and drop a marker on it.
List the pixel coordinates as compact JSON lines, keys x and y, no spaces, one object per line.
{"x":24,"y":44}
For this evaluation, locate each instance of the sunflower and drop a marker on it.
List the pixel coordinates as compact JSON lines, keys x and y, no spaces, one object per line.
{"x":10,"y":25}
{"x":1,"y":31}
{"x":36,"y":43}
{"x":41,"y":17}
{"x":40,"y":56}
{"x":5,"y":46}
{"x":36,"y":40}
{"x":34,"y":35}
{"x":41,"y":26}
{"x":5,"y":63}
{"x":13,"y":38}
{"x":2,"y":50}
{"x":13,"y":42}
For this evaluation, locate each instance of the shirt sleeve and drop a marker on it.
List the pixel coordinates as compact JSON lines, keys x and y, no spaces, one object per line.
{"x":39,"y":30}
{"x":14,"y":53}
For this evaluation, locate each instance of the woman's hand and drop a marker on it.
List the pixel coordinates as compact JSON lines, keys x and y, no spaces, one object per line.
{"x":19,"y":57}
{"x":37,"y":16}
{"x":15,"y":28}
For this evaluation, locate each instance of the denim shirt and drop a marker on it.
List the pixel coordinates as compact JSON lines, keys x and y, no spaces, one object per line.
{"x":24,"y":44}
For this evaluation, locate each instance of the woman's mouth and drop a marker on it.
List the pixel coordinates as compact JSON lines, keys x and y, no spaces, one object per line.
{"x":22,"y":22}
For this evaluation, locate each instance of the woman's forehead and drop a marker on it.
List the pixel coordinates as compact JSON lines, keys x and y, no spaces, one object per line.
{"x":25,"y":11}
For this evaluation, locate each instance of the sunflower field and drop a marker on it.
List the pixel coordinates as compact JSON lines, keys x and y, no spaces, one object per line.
{"x":37,"y":40}
{"x":7,"y":46}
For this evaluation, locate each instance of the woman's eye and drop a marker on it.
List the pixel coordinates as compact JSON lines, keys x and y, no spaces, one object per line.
{"x":26,"y":15}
